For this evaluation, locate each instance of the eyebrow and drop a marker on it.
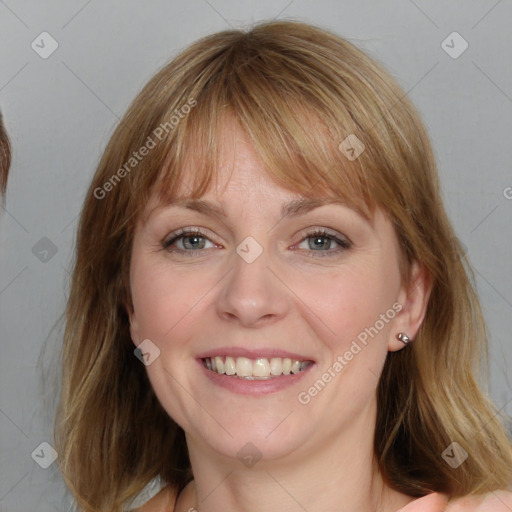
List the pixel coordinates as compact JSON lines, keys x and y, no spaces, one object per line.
{"x":293,"y":208}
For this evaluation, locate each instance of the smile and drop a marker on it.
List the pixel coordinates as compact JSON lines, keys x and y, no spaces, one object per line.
{"x":254,"y":369}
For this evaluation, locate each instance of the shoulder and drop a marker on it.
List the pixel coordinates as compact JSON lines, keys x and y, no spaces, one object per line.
{"x":170,"y":500}
{"x":164,"y":501}
{"x":496,"y":501}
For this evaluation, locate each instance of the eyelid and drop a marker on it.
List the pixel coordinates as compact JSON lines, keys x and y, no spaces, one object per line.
{"x":183,"y":233}
{"x":344,"y":243}
{"x":312,"y":230}
{"x":340,"y":239}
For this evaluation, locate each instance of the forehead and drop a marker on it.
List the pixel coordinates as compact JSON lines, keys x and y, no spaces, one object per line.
{"x":235,"y":171}
{"x":239,"y":187}
{"x":237,"y":165}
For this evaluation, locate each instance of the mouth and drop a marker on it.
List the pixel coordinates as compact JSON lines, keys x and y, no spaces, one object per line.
{"x":261,"y":368}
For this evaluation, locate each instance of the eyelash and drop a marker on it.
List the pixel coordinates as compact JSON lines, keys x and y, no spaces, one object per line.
{"x":344,"y":244}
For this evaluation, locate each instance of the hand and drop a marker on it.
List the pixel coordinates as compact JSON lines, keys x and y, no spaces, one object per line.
{"x":497,"y":501}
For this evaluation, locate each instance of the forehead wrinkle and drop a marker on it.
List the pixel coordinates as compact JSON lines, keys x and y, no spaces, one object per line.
{"x":294,"y":208}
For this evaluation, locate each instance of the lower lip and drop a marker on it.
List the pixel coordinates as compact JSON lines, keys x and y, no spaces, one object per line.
{"x":254,"y":387}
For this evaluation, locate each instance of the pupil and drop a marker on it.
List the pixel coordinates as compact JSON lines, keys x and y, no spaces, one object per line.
{"x":320,"y":239}
{"x":194,"y":244}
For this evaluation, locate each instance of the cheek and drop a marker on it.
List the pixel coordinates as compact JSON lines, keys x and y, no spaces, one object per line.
{"x":161,"y":299}
{"x":355,"y":303}
{"x":169,"y":301}
{"x":351,"y":298}
{"x":167,"y":311}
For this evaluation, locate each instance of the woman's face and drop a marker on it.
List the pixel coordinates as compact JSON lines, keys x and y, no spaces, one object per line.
{"x":259,"y":287}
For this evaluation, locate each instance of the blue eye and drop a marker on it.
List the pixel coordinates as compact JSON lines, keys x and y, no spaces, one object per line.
{"x":193,"y":241}
{"x":320,"y":241}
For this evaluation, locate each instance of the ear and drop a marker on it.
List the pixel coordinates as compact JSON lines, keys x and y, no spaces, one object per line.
{"x":414,"y":301}
{"x":134,"y":326}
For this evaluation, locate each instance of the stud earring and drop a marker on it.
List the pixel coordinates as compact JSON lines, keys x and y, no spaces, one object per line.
{"x":403,"y":338}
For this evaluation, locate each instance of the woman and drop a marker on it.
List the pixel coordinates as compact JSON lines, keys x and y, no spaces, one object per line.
{"x":269,"y":308}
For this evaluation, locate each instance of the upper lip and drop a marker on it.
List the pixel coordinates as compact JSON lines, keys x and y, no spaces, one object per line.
{"x":253,"y":353}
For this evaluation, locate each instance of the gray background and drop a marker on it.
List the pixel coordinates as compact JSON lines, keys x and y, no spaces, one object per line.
{"x":61,"y":110}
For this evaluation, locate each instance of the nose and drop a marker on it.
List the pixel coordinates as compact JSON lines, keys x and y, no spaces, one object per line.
{"x":251,"y":294}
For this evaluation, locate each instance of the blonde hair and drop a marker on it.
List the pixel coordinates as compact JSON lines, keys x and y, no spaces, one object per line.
{"x":298,"y":91}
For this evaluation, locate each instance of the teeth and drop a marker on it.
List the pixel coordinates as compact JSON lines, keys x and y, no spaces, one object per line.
{"x":219,"y":364}
{"x":261,"y":368}
{"x":243,"y":367}
{"x":296,"y":367}
{"x":230,"y":366}
{"x":250,"y":369}
{"x":276,"y":366}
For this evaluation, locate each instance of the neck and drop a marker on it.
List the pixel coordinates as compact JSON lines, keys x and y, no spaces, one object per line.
{"x":338,"y":474}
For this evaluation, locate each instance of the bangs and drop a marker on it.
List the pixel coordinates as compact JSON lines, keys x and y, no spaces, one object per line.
{"x":295,"y":121}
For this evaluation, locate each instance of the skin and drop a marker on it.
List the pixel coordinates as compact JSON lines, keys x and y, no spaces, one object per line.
{"x":314,"y":456}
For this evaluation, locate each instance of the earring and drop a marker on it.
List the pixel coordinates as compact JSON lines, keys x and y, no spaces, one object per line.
{"x":403,"y":338}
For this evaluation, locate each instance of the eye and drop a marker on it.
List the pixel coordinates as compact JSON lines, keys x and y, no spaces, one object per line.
{"x":191,"y":241}
{"x":322,"y":241}
{"x":187,"y":241}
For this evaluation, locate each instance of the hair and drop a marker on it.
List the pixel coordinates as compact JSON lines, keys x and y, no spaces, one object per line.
{"x":5,"y":158}
{"x":298,"y":91}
